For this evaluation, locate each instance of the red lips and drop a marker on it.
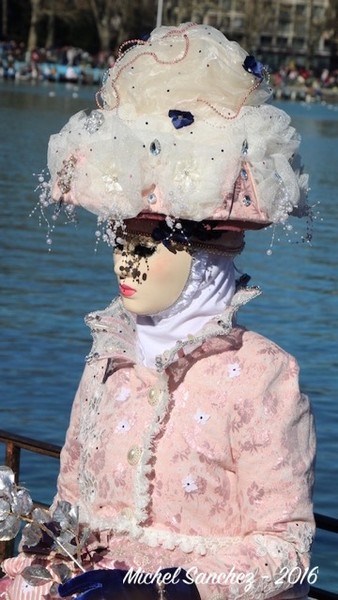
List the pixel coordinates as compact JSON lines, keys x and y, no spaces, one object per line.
{"x":126,"y":290}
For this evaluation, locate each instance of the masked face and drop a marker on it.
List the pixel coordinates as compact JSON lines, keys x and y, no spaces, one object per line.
{"x":150,"y":277}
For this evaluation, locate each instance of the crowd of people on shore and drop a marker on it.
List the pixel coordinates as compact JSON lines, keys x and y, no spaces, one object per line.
{"x":294,"y":81}
{"x":67,"y":63}
{"x":75,"y":65}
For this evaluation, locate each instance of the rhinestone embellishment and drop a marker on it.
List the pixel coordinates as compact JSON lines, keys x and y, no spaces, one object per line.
{"x":94,"y":121}
{"x":155,"y":147}
{"x":245,"y":148}
{"x":246,"y":200}
{"x":244,"y":174}
{"x":152,"y":199}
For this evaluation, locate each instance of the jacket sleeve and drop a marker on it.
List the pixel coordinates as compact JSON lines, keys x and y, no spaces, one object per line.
{"x":273,"y":452}
{"x":68,"y":479}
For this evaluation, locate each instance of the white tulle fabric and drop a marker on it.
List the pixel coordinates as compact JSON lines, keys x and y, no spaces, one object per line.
{"x":209,"y":289}
{"x":106,"y":162}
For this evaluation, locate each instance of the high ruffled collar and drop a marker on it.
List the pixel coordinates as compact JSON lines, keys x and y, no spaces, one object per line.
{"x":114,"y":332}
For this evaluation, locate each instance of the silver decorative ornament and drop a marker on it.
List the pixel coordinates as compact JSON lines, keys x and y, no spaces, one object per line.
{"x":246,"y":200}
{"x":6,"y":478}
{"x":36,"y":575}
{"x":5,"y":509}
{"x":61,"y":571}
{"x":94,"y":121}
{"x":41,"y":515}
{"x":22,"y":503}
{"x":31,"y":534}
{"x":9,"y":528}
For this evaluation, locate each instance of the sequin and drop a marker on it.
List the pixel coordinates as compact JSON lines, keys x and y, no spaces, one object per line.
{"x":246,"y":200}
{"x":155,"y":147}
{"x":244,"y":174}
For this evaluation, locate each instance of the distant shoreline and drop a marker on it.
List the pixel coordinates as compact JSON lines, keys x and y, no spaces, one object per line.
{"x":304,"y":94}
{"x":87,"y":75}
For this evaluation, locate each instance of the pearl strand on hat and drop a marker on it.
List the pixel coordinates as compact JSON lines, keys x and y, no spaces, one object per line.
{"x":221,"y":114}
{"x":133,"y":60}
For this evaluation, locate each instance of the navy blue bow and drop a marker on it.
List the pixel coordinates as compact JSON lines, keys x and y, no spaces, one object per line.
{"x":253,"y":66}
{"x":180,"y":118}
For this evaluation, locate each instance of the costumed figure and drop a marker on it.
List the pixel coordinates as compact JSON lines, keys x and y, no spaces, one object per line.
{"x":190,"y":447}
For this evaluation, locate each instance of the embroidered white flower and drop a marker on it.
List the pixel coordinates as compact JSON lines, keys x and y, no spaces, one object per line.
{"x":201,"y":417}
{"x":267,"y":545}
{"x":234,"y":370}
{"x":189,"y":484}
{"x":112,"y":183}
{"x":123,"y":395}
{"x":122,"y":426}
{"x":187,"y":173}
{"x":261,"y":545}
{"x":301,"y":534}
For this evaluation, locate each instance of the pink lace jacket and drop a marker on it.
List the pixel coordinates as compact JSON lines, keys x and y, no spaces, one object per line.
{"x":204,"y":462}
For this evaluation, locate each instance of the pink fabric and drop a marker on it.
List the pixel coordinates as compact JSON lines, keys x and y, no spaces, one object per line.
{"x":5,"y":582}
{"x":14,"y":585}
{"x":206,"y":464}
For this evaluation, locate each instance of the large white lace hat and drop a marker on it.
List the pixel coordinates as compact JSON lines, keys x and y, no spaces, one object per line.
{"x":182,"y":131}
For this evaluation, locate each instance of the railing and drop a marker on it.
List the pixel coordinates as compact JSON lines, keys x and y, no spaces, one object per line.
{"x":15,"y":443}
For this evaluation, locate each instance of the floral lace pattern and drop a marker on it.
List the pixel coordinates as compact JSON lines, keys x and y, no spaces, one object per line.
{"x":205,"y":464}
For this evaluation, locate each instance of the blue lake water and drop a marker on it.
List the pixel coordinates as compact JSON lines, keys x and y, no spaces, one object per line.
{"x":44,"y":295}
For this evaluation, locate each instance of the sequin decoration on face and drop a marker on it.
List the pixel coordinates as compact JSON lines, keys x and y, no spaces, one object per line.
{"x":134,"y":252}
{"x":151,"y":278}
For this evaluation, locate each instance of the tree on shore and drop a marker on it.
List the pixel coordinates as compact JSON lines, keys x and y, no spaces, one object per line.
{"x":114,"y":20}
{"x":118,"y":20}
{"x":43,"y":18}
{"x":103,"y":24}
{"x":332,"y":32}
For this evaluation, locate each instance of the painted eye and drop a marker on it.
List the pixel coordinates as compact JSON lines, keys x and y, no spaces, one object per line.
{"x":143,"y":251}
{"x":118,"y":246}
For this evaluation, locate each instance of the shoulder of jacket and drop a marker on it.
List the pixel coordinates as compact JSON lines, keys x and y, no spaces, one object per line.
{"x":255,"y":345}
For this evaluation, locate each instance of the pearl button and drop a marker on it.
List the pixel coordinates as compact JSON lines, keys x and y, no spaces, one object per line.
{"x":153,"y":396}
{"x":134,"y":455}
{"x":127,"y":512}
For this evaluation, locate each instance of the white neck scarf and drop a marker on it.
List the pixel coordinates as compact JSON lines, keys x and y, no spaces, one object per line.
{"x":209,"y":289}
